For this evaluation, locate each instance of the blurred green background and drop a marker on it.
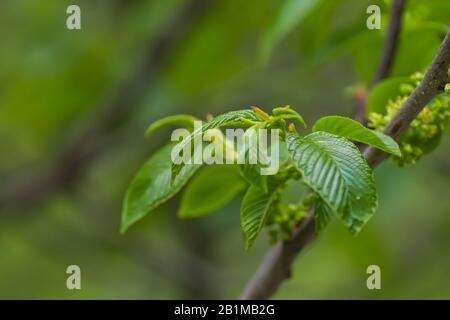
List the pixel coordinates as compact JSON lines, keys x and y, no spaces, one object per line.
{"x":227,"y":55}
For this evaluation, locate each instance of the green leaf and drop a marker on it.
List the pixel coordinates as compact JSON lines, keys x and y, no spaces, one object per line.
{"x":180,"y":120}
{"x":290,"y":15}
{"x":335,"y":169}
{"x":210,"y":189}
{"x":151,"y":186}
{"x":288,"y":113}
{"x":242,"y":118}
{"x":232,"y":118}
{"x":353,"y":130}
{"x":256,"y":207}
{"x":322,"y":214}
{"x":384,"y":91}
{"x":252,"y":174}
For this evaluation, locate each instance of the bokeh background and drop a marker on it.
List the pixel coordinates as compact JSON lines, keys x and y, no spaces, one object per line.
{"x":60,"y":200}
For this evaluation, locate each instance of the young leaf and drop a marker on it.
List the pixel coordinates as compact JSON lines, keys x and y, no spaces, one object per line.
{"x":249,"y":170}
{"x":252,"y":174}
{"x":288,"y":113}
{"x":233,"y":118}
{"x":151,"y":186}
{"x":334,"y":168}
{"x":353,"y":130}
{"x":212,"y":188}
{"x":256,"y":207}
{"x":181,"y":120}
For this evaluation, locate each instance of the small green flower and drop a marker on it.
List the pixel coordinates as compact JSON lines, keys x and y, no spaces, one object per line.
{"x":447,"y":88}
{"x":285,"y":218}
{"x":424,"y":131}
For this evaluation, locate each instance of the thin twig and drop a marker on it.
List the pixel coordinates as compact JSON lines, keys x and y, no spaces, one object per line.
{"x":390,"y":43}
{"x":387,"y":57}
{"x":432,"y":84}
{"x":276,"y":266}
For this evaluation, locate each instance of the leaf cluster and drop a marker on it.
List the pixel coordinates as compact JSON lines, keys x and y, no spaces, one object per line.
{"x":330,"y":166}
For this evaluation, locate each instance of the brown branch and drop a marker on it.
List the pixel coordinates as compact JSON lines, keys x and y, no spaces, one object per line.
{"x":432,"y":84}
{"x":390,"y":43}
{"x":387,"y":57}
{"x":276,"y":266}
{"x":78,"y":153}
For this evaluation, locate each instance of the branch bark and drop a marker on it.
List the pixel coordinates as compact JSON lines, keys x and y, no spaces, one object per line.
{"x":432,"y":84}
{"x":276,"y":266}
{"x":78,"y":153}
{"x":390,"y":43}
